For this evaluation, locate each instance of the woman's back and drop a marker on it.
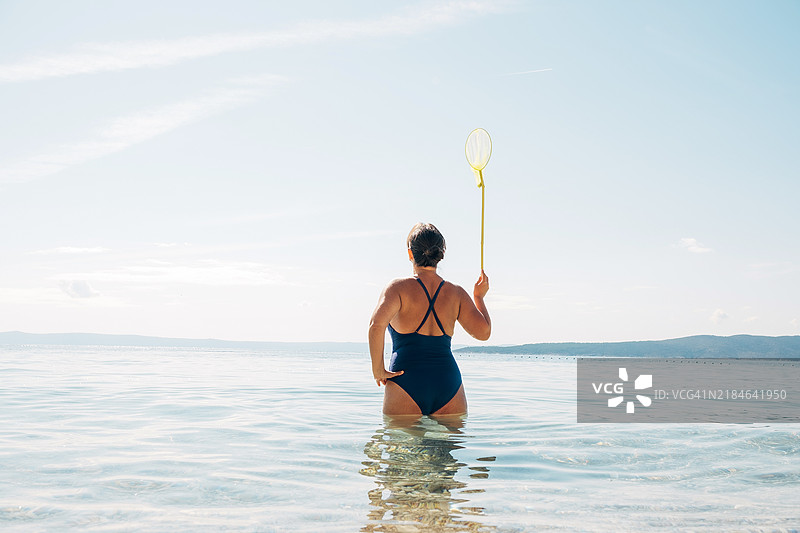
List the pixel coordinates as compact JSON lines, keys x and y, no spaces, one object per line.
{"x":415,"y":302}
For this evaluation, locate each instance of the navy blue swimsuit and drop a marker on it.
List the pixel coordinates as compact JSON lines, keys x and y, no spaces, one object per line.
{"x":430,"y":373}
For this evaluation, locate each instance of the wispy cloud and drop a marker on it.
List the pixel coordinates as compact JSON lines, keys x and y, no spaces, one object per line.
{"x":252,"y":218}
{"x":108,"y":57}
{"x":767,"y":270}
{"x":135,"y":128}
{"x":78,"y":289}
{"x":208,"y":272}
{"x":718,"y":316}
{"x":633,"y":288}
{"x":692,"y":245}
{"x":49,"y":297}
{"x":71,"y":250}
{"x":528,"y":72}
{"x":347,"y":235}
{"x":31,"y":296}
{"x":513,"y":302}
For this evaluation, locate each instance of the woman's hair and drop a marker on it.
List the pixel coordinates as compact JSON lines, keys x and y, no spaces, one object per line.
{"x":426,"y":244}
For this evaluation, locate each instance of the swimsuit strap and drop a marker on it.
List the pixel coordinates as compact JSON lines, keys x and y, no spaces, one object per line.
{"x":431,"y":301}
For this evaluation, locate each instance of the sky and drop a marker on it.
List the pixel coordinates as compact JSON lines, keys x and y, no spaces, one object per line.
{"x":249,"y":170}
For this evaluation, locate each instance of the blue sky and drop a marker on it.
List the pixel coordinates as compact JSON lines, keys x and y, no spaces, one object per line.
{"x":250,"y":170}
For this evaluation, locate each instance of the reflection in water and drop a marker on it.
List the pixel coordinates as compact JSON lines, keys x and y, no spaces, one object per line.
{"x":414,"y":469}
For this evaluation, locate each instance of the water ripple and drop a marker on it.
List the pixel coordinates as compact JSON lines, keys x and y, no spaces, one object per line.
{"x":125,"y":439}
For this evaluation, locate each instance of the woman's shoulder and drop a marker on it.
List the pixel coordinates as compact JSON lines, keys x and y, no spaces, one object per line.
{"x":399,"y":283}
{"x":455,"y":289}
{"x":412,"y":283}
{"x":403,"y":283}
{"x":451,"y":285}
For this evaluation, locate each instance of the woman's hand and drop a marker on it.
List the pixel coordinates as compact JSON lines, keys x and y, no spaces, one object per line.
{"x":383,"y":375}
{"x":481,"y":286}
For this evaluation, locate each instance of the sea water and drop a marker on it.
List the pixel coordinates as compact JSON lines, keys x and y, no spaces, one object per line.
{"x":160,"y":439}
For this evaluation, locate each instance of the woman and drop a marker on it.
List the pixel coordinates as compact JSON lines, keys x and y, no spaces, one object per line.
{"x":423,"y":377}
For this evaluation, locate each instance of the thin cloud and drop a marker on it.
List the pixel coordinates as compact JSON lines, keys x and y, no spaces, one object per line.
{"x":766,"y":270}
{"x":718,"y":316}
{"x":54,"y":297}
{"x":71,"y":250}
{"x":528,"y":72}
{"x":138,"y":127}
{"x":692,"y":245}
{"x":31,"y":296}
{"x":513,"y":302}
{"x":206,"y":272}
{"x":346,"y":235}
{"x":633,"y":288}
{"x":109,"y":57}
{"x":252,"y":218}
{"x":78,"y":289}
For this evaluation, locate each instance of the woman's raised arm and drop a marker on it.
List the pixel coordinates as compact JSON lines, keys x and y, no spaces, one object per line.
{"x":472,"y":314}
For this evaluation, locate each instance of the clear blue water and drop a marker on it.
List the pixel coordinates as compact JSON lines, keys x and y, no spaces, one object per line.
{"x":157,"y":439}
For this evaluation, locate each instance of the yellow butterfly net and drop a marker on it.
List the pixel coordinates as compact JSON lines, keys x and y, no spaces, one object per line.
{"x":479,"y":150}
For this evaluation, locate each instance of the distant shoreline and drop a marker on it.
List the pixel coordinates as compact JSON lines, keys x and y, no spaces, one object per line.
{"x":711,"y":346}
{"x":697,"y":346}
{"x":101,"y":339}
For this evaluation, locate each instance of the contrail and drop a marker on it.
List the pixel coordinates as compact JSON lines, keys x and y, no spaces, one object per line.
{"x":91,"y":58}
{"x":528,"y":72}
{"x":138,"y":127}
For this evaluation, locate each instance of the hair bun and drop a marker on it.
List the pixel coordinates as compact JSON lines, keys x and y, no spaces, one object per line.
{"x":426,"y":244}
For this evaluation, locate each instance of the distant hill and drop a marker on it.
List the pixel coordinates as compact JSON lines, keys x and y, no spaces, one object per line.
{"x":749,"y":346}
{"x":97,"y":339}
{"x":741,"y":346}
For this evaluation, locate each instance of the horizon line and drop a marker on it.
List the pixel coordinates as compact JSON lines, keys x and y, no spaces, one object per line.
{"x":230,"y":341}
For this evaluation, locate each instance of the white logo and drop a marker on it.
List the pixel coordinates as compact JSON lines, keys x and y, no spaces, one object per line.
{"x":644,"y":381}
